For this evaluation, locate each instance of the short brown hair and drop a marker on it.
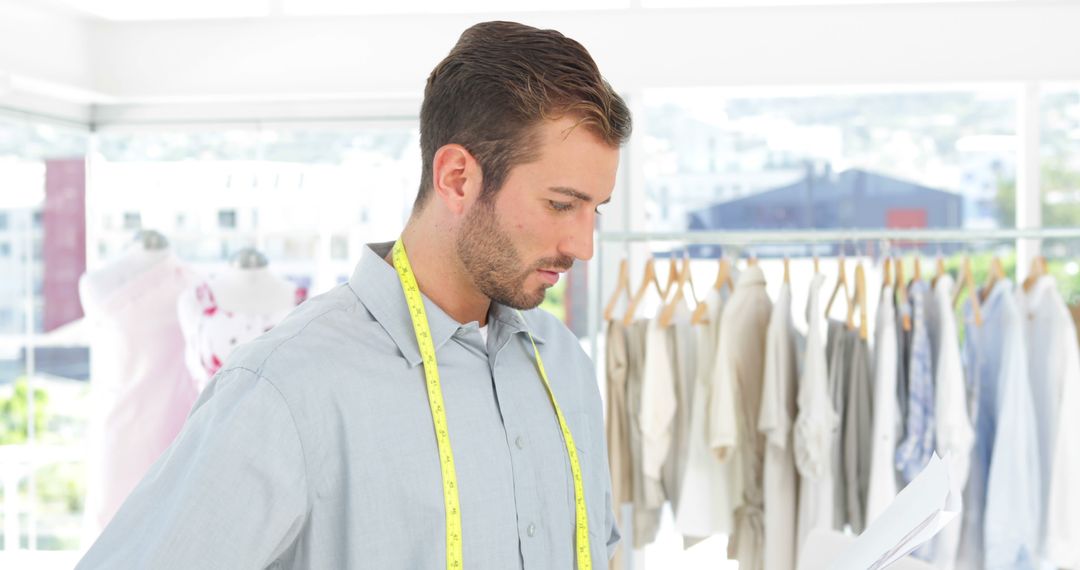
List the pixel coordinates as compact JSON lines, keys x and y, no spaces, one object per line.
{"x":497,"y":83}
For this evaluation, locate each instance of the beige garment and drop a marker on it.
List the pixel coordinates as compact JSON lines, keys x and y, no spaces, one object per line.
{"x":646,"y":518}
{"x":706,"y":483}
{"x":618,"y":437}
{"x":775,"y":422}
{"x":734,"y":406}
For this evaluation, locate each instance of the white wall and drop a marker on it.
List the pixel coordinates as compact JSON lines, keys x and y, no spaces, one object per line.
{"x":735,"y":46}
{"x":43,"y":54}
{"x":329,"y":66}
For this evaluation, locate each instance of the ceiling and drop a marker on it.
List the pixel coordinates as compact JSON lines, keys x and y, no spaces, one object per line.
{"x":165,"y":10}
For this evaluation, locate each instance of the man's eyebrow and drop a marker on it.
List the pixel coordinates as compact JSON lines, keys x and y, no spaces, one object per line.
{"x":576,"y":194}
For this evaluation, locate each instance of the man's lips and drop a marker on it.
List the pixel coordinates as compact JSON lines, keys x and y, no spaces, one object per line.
{"x":549,"y":276}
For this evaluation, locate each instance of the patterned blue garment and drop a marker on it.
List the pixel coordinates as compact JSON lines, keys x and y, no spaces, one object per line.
{"x":917,"y":446}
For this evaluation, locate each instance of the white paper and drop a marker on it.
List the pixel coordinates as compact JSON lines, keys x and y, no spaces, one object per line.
{"x":917,"y":513}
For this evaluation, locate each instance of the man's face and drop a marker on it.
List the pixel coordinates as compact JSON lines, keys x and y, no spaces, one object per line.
{"x":542,"y":219}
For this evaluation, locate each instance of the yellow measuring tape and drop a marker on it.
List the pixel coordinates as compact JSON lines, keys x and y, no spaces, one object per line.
{"x":442,"y":434}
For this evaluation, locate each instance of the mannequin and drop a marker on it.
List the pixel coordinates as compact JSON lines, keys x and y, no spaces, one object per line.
{"x":141,"y":389}
{"x":231,"y":308}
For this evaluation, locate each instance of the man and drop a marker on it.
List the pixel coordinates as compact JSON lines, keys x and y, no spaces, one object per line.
{"x":314,"y":446}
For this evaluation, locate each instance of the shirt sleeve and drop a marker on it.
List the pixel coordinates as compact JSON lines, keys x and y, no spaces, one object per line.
{"x":231,"y":491}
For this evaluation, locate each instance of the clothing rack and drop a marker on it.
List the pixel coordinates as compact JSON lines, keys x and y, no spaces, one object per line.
{"x":837,"y":236}
{"x":596,"y":286}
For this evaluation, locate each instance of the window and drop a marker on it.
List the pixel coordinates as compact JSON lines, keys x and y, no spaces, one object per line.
{"x":1059,"y":181}
{"x":714,"y":157}
{"x":132,"y":221}
{"x":227,"y":219}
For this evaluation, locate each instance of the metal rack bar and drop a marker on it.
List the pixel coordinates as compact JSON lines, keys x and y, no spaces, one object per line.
{"x":825,"y":236}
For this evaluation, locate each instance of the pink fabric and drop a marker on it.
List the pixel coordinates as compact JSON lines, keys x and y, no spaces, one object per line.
{"x":140,"y":380}
{"x":218,"y":332}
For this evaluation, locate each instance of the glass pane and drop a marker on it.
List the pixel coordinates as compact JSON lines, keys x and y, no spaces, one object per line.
{"x":43,"y":362}
{"x":837,"y":158}
{"x":306,"y":198}
{"x":1059,"y":179}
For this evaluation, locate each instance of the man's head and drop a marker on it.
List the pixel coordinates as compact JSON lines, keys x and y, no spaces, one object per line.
{"x":519,"y":137}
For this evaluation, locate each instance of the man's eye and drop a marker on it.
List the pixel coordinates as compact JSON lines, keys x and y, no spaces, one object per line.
{"x":598,"y":212}
{"x":560,"y":206}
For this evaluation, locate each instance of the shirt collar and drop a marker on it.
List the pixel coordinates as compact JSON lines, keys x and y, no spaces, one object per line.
{"x":753,"y":275}
{"x":375,"y":282}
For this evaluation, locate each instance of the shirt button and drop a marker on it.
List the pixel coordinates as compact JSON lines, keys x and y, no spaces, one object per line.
{"x":531,"y":530}
{"x":520,"y":442}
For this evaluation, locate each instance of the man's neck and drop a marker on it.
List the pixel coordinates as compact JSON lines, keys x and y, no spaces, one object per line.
{"x":441,"y":277}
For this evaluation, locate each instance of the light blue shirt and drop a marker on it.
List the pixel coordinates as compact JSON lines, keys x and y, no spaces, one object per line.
{"x":314,"y":447}
{"x":1002,"y":512}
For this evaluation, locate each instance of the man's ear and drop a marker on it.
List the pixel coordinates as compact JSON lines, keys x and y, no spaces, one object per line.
{"x":456,"y":177}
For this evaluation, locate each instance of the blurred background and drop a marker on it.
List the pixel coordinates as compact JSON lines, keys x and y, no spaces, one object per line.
{"x":291,"y":127}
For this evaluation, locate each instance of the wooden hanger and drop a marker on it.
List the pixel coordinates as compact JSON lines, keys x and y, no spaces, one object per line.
{"x":622,"y":284}
{"x":887,"y":272}
{"x":997,"y":273}
{"x":967,"y":280}
{"x":679,"y":295}
{"x":649,"y":278}
{"x":817,"y":266}
{"x":901,"y":294}
{"x":701,"y":313}
{"x":841,"y":281}
{"x":1038,"y":270}
{"x":672,"y":277}
{"x":918,"y":269}
{"x":859,"y":301}
{"x":787,"y":270}
{"x":939,"y":270}
{"x":723,"y":275}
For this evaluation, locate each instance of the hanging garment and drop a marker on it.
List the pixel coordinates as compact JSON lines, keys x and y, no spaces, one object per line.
{"x":1002,"y":506}
{"x":903,"y":359}
{"x":646,"y":519}
{"x":659,"y":404}
{"x":858,"y":430}
{"x":736,"y":398}
{"x":618,"y":437}
{"x":917,"y":445}
{"x":778,"y":408}
{"x":212,"y":333}
{"x":953,"y":430}
{"x":886,"y":413}
{"x":682,"y":352}
{"x":706,"y":485}
{"x":1054,"y":373}
{"x":838,"y":349}
{"x":815,"y":425}
{"x":139,"y":379}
